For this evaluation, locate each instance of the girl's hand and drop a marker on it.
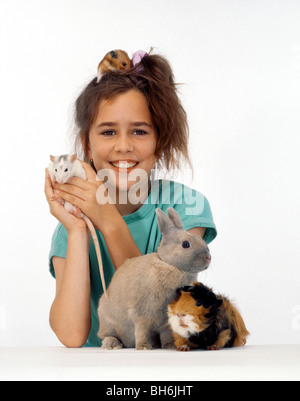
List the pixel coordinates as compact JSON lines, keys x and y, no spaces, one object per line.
{"x":82,"y":193}
{"x":57,"y":209}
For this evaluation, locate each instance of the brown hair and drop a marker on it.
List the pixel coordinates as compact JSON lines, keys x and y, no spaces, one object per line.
{"x":154,"y":78}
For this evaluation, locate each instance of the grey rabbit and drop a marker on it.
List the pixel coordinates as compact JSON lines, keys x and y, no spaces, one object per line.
{"x":135,"y":312}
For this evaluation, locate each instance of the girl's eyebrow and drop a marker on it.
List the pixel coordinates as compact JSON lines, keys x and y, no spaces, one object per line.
{"x":139,"y":123}
{"x":133,"y":124}
{"x":106,"y":124}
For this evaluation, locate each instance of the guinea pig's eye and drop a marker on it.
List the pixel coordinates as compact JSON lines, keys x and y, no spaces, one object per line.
{"x":66,"y":170}
{"x":185,"y":244}
{"x":56,"y":169}
{"x":124,"y":64}
{"x":198,"y":303}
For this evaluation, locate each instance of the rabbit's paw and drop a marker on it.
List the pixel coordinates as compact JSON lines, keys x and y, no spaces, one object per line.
{"x":111,"y":343}
{"x":143,"y":347}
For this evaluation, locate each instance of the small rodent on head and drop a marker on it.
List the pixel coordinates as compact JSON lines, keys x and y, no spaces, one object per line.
{"x":117,"y":60}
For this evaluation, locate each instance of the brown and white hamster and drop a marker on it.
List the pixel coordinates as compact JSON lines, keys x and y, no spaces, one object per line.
{"x":113,"y":61}
{"x":200,"y":319}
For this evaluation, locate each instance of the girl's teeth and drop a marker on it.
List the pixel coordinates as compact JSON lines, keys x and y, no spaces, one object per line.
{"x":124,"y":164}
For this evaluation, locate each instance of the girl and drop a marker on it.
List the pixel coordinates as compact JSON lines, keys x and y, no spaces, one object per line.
{"x":131,"y":121}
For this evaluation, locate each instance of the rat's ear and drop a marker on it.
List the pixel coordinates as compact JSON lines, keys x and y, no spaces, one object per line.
{"x":73,"y":157}
{"x":52,"y":158}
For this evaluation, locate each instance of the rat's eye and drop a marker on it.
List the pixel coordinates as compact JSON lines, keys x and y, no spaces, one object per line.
{"x":185,"y":244}
{"x":66,"y":170}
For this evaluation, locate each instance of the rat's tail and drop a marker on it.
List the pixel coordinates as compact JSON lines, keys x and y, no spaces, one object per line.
{"x":96,"y":243}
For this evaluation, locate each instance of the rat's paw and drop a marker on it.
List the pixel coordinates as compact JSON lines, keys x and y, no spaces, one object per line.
{"x":76,"y":212}
{"x":57,"y":199}
{"x":111,"y":343}
{"x":143,"y":347}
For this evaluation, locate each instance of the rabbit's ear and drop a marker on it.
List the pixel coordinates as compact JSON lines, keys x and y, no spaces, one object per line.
{"x":174,"y":216}
{"x":165,"y":225}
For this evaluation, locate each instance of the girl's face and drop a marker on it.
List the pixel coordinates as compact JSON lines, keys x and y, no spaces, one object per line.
{"x":123,"y":137}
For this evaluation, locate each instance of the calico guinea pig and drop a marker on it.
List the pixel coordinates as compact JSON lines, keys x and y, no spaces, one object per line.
{"x":200,"y":319}
{"x":113,"y":61}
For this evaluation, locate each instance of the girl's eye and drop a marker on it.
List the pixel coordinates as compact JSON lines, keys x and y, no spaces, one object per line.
{"x":108,"y":133}
{"x":139,"y":132}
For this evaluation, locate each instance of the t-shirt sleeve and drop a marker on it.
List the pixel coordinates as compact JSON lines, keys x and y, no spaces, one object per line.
{"x":195,"y":211}
{"x":59,"y":245}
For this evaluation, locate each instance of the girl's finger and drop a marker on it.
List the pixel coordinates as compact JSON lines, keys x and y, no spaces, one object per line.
{"x":75,"y":200}
{"x":48,"y":185}
{"x":71,"y":190}
{"x":78,"y":182}
{"x":90,"y":173}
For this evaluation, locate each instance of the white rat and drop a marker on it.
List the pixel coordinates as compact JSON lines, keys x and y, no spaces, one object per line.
{"x":61,"y":169}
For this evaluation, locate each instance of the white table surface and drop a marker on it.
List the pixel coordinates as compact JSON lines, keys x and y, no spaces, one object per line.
{"x":271,"y":362}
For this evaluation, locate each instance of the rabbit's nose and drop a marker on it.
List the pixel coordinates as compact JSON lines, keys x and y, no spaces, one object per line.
{"x":208,"y":257}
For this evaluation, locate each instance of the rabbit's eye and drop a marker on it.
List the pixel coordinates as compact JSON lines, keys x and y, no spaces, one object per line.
{"x":185,"y":244}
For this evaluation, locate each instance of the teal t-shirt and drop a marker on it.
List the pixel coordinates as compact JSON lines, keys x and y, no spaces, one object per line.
{"x":193,"y":209}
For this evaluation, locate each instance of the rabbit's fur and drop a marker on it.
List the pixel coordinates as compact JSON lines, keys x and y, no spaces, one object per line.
{"x":135,"y":312}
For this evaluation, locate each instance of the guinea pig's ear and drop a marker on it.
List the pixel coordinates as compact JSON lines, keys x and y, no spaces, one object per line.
{"x":165,"y":225}
{"x":219,"y":302}
{"x":174,"y":216}
{"x":178,"y":293}
{"x":52,"y":158}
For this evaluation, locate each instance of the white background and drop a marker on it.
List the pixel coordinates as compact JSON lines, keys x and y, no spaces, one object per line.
{"x":239,"y":61}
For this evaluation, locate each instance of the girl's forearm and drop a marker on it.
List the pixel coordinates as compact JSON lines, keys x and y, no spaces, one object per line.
{"x":70,"y":315}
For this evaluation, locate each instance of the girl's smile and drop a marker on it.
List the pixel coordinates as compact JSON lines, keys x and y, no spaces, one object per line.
{"x":124,"y":166}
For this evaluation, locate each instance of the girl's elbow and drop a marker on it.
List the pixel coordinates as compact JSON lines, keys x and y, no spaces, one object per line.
{"x":74,"y":343}
{"x":75,"y":340}
{"x":71,"y":338}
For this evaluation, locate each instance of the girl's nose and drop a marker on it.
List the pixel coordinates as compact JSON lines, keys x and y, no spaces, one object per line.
{"x":123,"y":144}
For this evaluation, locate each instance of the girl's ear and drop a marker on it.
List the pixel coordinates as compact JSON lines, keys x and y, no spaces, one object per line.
{"x":86,"y":148}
